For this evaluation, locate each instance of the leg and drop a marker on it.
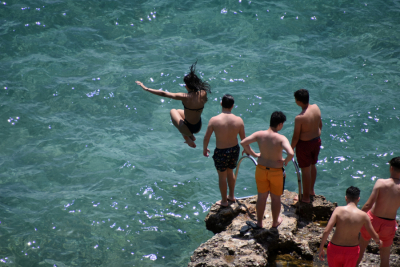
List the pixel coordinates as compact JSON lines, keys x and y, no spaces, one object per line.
{"x":385,"y":254}
{"x":223,"y":188}
{"x":260,"y":207}
{"x":306,"y":180}
{"x":363,"y":245}
{"x":276,"y":210}
{"x":313,"y":178}
{"x":177,"y":117}
{"x":231,"y":184}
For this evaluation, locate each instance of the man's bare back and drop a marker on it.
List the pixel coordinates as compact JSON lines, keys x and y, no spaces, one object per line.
{"x":349,"y":220}
{"x":387,"y":200}
{"x":308,"y":123}
{"x":271,"y":144}
{"x":226,"y":127}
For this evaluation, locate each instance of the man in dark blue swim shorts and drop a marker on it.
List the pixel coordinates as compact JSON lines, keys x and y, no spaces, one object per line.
{"x":226,"y":158}
{"x":226,"y":127}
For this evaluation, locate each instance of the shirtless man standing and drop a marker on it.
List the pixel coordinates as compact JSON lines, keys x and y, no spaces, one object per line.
{"x":343,"y":250}
{"x":269,"y":171}
{"x":226,"y":127}
{"x":306,"y":139}
{"x":381,"y":208}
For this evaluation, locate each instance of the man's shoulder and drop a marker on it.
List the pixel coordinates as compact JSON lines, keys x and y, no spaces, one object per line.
{"x":238,"y":118}
{"x":282,"y":137}
{"x":383,"y":182}
{"x":315,"y":107}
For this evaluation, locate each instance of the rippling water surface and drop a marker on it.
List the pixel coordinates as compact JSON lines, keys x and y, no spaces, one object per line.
{"x":93,"y":173}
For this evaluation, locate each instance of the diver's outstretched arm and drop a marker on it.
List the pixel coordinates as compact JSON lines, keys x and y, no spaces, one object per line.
{"x":176,"y":96}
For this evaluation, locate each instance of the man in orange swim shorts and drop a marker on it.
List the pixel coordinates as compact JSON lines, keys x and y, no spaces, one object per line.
{"x":381,"y":208}
{"x":269,"y":171}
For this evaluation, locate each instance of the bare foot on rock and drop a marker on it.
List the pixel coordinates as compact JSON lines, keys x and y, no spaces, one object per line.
{"x":223,"y":204}
{"x":231,"y":199}
{"x":280,"y":220}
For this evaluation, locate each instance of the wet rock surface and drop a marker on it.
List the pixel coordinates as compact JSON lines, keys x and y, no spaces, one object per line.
{"x":295,"y":241}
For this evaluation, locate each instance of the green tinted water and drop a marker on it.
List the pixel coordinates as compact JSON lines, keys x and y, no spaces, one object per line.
{"x":93,"y":173}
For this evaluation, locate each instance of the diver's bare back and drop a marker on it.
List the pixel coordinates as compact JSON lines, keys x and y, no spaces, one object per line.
{"x":349,"y":221}
{"x":196,"y":102}
{"x":310,"y":120}
{"x":226,"y":127}
{"x":388,"y":199}
{"x":270,"y":144}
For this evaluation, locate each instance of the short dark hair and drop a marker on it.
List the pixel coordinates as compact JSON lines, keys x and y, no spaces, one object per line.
{"x":227,"y":101}
{"x":352,"y":193}
{"x":276,"y":118}
{"x":302,"y":96}
{"x":193,"y":82}
{"x":395,"y":163}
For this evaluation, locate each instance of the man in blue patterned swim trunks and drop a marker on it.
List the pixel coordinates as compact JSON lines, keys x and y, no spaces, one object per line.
{"x":226,"y":127}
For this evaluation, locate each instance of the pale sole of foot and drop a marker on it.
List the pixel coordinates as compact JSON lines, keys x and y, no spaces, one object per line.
{"x":189,"y":142}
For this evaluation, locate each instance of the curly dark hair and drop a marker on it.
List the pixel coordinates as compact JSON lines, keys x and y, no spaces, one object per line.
{"x":193,"y":82}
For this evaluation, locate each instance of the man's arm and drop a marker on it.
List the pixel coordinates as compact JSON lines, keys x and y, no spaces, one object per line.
{"x":242,"y":136}
{"x":371,"y":231}
{"x":207,"y":137}
{"x":327,"y":231}
{"x":246,"y":145}
{"x":320,"y":124}
{"x":296,"y":132}
{"x":176,"y":96}
{"x":372,"y":198}
{"x":290,"y":153}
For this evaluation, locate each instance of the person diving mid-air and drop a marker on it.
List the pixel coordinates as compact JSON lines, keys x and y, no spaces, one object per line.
{"x":187,"y":120}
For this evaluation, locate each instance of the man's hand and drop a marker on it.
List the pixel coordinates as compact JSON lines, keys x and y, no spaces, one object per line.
{"x":244,"y":152}
{"x":322,"y":254}
{"x":206,"y":152}
{"x":379,"y":242}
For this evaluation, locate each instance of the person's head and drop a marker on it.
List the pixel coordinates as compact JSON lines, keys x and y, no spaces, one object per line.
{"x":302,"y":96}
{"x":276,"y":118}
{"x":227,"y":101}
{"x":353,"y":194}
{"x":395,"y":164}
{"x":193,"y":82}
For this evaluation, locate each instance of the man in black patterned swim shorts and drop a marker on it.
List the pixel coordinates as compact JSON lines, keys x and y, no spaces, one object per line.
{"x":226,"y":127}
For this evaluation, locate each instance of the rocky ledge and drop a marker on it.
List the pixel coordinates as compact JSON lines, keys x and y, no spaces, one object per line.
{"x":295,"y":241}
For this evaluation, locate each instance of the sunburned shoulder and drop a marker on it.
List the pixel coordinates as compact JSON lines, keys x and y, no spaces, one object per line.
{"x":382,"y":182}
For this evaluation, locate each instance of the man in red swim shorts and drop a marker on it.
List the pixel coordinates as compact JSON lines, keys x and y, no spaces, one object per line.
{"x":343,"y":249}
{"x":382,"y":208}
{"x":306,"y":140}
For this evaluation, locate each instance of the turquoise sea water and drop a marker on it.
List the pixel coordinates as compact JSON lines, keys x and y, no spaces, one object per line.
{"x":93,"y":173}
